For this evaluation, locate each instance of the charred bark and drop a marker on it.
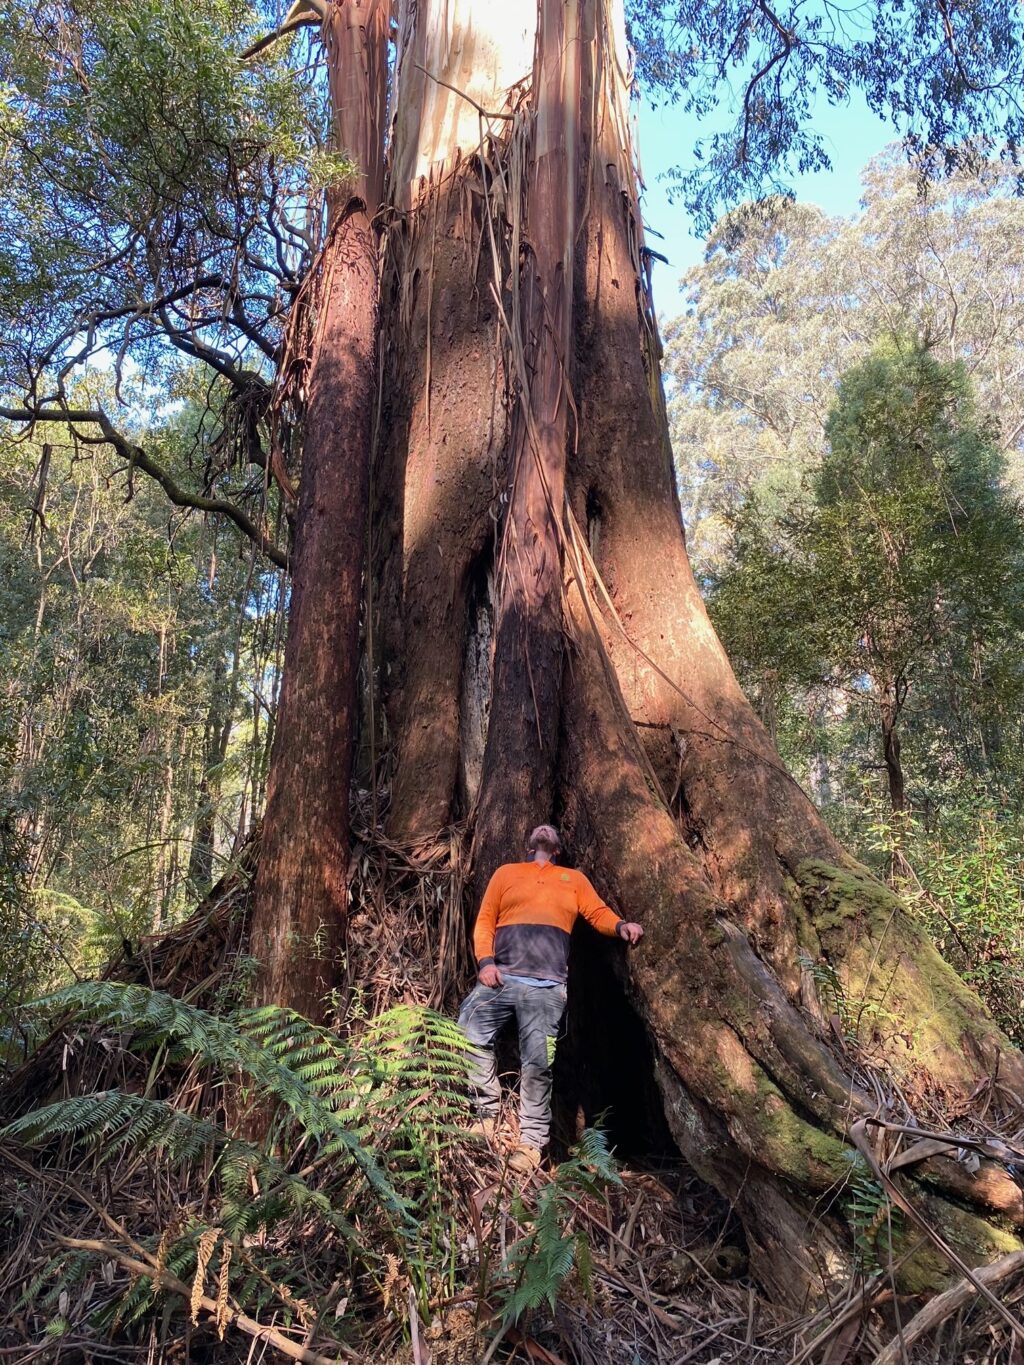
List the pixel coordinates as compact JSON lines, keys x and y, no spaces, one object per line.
{"x":443,"y":443}
{"x":301,"y":898}
{"x":443,"y":453}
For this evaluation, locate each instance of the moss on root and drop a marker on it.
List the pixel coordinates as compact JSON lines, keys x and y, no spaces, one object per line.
{"x":898,"y":992}
{"x":810,"y":1157}
{"x":923,"y":1269}
{"x":759,"y":1117}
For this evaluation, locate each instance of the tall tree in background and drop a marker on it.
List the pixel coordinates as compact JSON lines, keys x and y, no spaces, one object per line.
{"x":904,"y":565}
{"x":789,"y":298}
{"x":138,"y":659}
{"x":519,"y":390}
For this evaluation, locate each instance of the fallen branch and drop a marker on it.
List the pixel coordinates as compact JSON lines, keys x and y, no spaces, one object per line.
{"x":944,"y":1305}
{"x":859,"y":1138}
{"x":666,"y":1319}
{"x":990,"y":1147}
{"x":162,"y":1277}
{"x":870,"y":1296}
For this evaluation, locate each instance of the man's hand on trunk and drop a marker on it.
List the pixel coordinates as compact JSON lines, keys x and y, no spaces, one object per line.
{"x":632,"y":933}
{"x":490,"y":976}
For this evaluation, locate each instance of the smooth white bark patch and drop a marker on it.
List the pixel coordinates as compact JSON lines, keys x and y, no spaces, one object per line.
{"x":455,"y":58}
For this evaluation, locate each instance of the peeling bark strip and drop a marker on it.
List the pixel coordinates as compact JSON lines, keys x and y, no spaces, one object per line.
{"x":302,"y":884}
{"x":521,"y":751}
{"x":444,"y":438}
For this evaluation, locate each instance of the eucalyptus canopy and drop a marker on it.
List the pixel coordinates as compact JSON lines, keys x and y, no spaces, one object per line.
{"x":163,"y":197}
{"x":898,"y":572}
{"x":789,"y":298}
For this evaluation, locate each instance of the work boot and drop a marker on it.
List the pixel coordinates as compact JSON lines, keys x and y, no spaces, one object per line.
{"x":484,"y":1130}
{"x":524,"y":1160}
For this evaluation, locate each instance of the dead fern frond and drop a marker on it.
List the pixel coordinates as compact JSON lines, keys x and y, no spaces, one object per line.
{"x":223,"y":1314}
{"x":204,"y":1251}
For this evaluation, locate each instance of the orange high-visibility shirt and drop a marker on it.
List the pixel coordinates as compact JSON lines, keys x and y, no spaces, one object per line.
{"x":527,"y":915}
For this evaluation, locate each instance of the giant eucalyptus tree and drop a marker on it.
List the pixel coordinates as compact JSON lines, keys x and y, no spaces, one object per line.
{"x":480,"y":383}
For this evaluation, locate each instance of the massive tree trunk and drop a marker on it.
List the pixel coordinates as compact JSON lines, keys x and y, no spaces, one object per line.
{"x":443,"y":455}
{"x":642,"y":744}
{"x":520,"y":759}
{"x":523,"y":477}
{"x":302,"y":884}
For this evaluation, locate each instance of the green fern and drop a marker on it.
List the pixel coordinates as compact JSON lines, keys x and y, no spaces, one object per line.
{"x":376,"y":1116}
{"x":871,"y":1216}
{"x":409,"y":1078}
{"x":538,"y":1264}
{"x":261,"y":1045}
{"x":830,"y":992}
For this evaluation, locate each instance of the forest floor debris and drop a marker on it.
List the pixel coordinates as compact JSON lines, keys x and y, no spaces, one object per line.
{"x":666,"y":1284}
{"x":659,"y":1270}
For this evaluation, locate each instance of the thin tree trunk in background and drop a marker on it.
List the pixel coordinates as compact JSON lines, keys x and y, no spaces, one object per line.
{"x":299,"y":918}
{"x":204,"y":829}
{"x":200,"y":861}
{"x":891,"y":748}
{"x":163,"y":881}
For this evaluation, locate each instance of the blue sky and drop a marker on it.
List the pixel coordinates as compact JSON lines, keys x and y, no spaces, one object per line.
{"x":852,"y":136}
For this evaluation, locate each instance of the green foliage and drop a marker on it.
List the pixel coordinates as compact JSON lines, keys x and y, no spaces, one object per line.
{"x":871,"y":1215}
{"x":830,"y":992}
{"x":162,"y":203}
{"x":376,"y":1118}
{"x":789,"y":298}
{"x":879,"y":622}
{"x":280,"y":1058}
{"x":754,"y":78}
{"x":362,"y":1136}
{"x":135,"y":146}
{"x":898,"y":580}
{"x":910,"y":523}
{"x":22,"y":947}
{"x":136,"y":669}
{"x":538,"y":1264}
{"x":962,"y":872}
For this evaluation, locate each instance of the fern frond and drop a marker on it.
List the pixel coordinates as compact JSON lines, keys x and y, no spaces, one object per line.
{"x":154,"y":1018}
{"x":538,"y":1263}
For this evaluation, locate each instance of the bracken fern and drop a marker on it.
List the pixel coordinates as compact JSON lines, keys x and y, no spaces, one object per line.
{"x":539,"y":1263}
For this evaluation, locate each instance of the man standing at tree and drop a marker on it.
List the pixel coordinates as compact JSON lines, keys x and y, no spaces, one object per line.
{"x":521,"y":943}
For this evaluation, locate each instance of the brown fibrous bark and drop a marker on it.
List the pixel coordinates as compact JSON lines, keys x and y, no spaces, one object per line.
{"x":301,"y":901}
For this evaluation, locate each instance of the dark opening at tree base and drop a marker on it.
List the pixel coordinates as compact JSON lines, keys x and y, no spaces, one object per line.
{"x":604,"y":1065}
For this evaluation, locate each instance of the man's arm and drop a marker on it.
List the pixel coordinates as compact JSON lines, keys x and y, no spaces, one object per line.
{"x":483,"y":932}
{"x":600,"y":916}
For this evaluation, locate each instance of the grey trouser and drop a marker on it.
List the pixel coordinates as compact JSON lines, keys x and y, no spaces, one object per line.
{"x":538,"y":1011}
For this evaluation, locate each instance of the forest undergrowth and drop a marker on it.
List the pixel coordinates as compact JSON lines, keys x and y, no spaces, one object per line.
{"x":354,"y":1220}
{"x":362,"y":1223}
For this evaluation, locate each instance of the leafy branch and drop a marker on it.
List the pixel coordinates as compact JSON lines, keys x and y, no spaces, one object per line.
{"x":137,"y":458}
